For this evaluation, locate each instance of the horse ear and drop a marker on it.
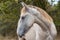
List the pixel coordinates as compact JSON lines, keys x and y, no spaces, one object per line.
{"x":24,"y":5}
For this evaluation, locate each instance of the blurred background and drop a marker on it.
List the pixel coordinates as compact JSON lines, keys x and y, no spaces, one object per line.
{"x":10,"y":13}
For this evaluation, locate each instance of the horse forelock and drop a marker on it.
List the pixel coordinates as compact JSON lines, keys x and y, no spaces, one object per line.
{"x":44,"y":13}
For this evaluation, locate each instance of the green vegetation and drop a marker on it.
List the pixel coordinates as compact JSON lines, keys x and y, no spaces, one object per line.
{"x":10,"y":13}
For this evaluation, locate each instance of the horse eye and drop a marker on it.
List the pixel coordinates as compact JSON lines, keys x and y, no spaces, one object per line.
{"x":23,"y":17}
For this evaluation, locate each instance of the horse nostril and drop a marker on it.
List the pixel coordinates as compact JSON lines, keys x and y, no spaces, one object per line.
{"x":21,"y":35}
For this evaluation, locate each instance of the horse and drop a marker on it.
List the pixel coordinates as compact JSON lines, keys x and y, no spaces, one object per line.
{"x":35,"y":24}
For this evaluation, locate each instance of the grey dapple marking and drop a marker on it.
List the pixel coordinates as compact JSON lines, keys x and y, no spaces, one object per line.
{"x":35,"y":24}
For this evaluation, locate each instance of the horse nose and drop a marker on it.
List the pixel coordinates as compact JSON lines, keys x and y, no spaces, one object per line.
{"x":21,"y":35}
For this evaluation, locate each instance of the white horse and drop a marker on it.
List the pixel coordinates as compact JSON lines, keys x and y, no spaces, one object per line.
{"x":35,"y":24}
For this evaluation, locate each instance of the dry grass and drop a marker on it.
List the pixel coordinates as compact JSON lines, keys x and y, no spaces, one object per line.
{"x":7,"y":38}
{"x":58,"y":37}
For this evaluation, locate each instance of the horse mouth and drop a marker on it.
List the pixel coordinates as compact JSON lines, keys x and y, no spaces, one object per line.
{"x":22,"y":37}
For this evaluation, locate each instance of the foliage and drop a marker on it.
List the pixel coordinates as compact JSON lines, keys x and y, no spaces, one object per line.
{"x":58,"y":5}
{"x":8,"y":16}
{"x":55,"y":13}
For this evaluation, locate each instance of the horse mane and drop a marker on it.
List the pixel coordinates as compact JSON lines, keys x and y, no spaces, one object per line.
{"x":43,"y":12}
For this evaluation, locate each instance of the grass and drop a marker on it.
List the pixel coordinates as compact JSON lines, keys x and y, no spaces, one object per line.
{"x":7,"y":38}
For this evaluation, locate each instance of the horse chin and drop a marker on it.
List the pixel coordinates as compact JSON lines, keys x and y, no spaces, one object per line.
{"x":23,"y":37}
